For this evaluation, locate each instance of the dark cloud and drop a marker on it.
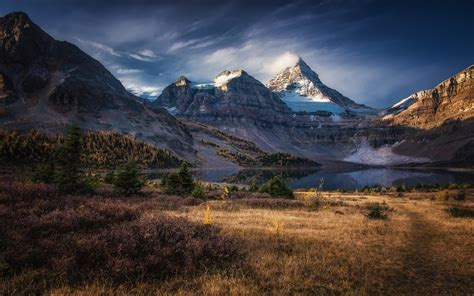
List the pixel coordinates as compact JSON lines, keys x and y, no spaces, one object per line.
{"x":375,"y":52}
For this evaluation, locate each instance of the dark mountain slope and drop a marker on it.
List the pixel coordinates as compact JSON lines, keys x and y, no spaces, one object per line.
{"x":47,"y":84}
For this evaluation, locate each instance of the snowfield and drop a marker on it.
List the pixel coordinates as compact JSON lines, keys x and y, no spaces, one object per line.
{"x":296,"y":102}
{"x":383,"y":155}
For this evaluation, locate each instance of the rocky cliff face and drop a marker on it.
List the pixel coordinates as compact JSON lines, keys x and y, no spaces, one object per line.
{"x":300,"y":87}
{"x":46,"y":84}
{"x":437,"y":124}
{"x":234,"y":95}
{"x":451,"y":100}
{"x":239,"y":104}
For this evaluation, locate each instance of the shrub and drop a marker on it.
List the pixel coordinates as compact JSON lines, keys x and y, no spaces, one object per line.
{"x":126,"y":180}
{"x":253,"y":186}
{"x":276,"y":187}
{"x":377,"y":210}
{"x":401,"y":188}
{"x":269,"y":203}
{"x":44,"y":173}
{"x":198,"y":192}
{"x":460,"y":211}
{"x":461,"y":195}
{"x":109,"y":177}
{"x":442,"y":195}
{"x":75,"y":239}
{"x":152,"y":249}
{"x":12,"y":192}
{"x":180,"y":183}
{"x":313,"y":202}
{"x":226,"y":193}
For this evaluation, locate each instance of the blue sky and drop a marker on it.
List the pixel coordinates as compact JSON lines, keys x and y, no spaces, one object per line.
{"x":375,"y":52}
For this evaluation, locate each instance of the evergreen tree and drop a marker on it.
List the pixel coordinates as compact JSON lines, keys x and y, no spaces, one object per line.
{"x":276,"y":188}
{"x":45,"y":173}
{"x":187,"y":183}
{"x":70,"y":177}
{"x":253,"y":186}
{"x":180,"y":183}
{"x":126,"y":180}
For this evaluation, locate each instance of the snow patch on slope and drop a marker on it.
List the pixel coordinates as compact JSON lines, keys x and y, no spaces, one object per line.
{"x":297,"y":103}
{"x":306,"y":87}
{"x":383,"y":155}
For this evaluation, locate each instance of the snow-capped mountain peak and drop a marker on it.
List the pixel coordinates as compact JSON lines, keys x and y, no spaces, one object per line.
{"x":300,"y":87}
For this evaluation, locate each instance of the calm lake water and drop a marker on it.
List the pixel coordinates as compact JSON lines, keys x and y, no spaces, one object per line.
{"x":349,"y":180}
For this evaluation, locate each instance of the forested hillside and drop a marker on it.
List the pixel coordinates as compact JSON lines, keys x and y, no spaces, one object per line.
{"x":101,"y":150}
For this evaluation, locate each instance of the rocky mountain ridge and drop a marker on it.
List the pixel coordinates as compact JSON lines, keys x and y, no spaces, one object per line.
{"x":352,"y":133}
{"x":46,"y":84}
{"x":450,"y":100}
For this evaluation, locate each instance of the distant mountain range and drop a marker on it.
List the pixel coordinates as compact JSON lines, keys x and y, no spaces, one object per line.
{"x":47,"y":84}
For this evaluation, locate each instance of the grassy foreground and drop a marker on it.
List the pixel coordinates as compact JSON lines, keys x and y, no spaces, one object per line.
{"x":249,"y":244}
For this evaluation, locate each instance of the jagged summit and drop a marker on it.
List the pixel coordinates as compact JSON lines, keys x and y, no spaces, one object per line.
{"x":300,"y":87}
{"x":226,"y":76}
{"x":182,"y":81}
{"x":21,"y":38}
{"x":17,"y":18}
{"x":303,"y":70}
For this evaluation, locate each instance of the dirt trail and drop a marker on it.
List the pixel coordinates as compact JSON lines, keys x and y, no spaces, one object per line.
{"x":423,"y":270}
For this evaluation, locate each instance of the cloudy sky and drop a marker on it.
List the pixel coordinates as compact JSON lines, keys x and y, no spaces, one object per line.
{"x":375,"y":52}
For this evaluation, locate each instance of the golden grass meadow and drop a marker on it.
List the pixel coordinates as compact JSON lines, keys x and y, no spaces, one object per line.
{"x":247,"y":244}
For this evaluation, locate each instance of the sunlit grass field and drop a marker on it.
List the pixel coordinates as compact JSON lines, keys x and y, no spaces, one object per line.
{"x":248,"y":244}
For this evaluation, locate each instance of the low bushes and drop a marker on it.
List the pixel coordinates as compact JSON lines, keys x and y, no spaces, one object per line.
{"x":446,"y":195}
{"x":460,"y":211}
{"x":270,"y":203}
{"x":151,"y":249}
{"x":75,"y":239}
{"x":15,"y":191}
{"x":378,"y":211}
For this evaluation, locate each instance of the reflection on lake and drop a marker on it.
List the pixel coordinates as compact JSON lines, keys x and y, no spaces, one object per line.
{"x":348,"y":180}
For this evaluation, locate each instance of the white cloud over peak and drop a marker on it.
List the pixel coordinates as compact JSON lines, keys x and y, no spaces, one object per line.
{"x":261,"y":59}
{"x":281,"y":62}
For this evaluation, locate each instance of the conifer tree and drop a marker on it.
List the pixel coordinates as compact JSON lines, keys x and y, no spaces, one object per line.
{"x":70,"y":177}
{"x":126,"y":179}
{"x":187,"y":183}
{"x":276,"y":188}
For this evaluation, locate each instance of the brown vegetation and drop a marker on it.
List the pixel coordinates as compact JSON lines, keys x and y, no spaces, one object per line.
{"x":252,"y":244}
{"x":101,"y":149}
